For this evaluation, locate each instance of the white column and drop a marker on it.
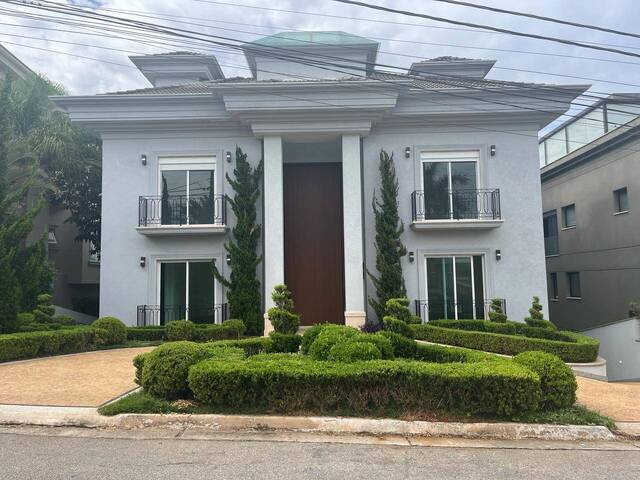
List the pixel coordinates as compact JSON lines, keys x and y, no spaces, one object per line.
{"x":273,"y":221}
{"x":355,"y":313}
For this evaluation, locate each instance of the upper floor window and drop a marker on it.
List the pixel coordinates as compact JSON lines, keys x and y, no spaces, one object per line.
{"x":569,"y":216}
{"x":621,"y":200}
{"x":553,"y":286}
{"x":187,"y":188}
{"x":550,"y":227}
{"x":573,"y":280}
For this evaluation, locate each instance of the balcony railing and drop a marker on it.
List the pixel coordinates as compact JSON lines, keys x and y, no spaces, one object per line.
{"x":464,"y":310}
{"x":182,"y":210}
{"x":160,"y":315}
{"x":458,"y":204}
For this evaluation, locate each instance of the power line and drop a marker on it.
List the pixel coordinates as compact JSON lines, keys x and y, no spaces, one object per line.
{"x":538,"y":17}
{"x":487,"y":27}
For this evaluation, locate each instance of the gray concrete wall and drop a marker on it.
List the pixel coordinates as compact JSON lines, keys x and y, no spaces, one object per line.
{"x":514,"y":169}
{"x":604,"y":247}
{"x":620,"y":345}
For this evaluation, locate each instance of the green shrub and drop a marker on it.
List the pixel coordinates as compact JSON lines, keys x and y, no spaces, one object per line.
{"x":328,"y":337}
{"x":284,"y":342}
{"x":546,"y":333}
{"x":382,"y":343}
{"x":235,"y":325}
{"x":557,"y":381}
{"x":540,"y":323}
{"x":392,"y":324}
{"x":301,"y":385}
{"x":39,"y":327}
{"x":231,"y":329}
{"x":17,"y":346}
{"x":536,"y":319}
{"x":179,"y":330}
{"x":403,"y":347}
{"x":63,"y":319}
{"x":25,"y":318}
{"x":165,"y":369}
{"x":309,"y":336}
{"x":138,"y":364}
{"x":496,"y":314}
{"x":354,"y":351}
{"x":109,"y":331}
{"x":508,"y":328}
{"x":580,"y":349}
{"x":250,"y":346}
{"x":282,"y":316}
{"x":399,"y":308}
{"x":440,"y":354}
{"x":151,"y":333}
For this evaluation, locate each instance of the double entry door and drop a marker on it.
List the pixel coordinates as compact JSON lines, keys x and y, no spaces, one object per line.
{"x":455,"y":287}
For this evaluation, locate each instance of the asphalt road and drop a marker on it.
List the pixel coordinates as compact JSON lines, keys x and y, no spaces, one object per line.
{"x":43,"y":456}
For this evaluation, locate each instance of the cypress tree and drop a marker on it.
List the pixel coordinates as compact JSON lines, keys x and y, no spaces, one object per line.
{"x":243,"y":286}
{"x":389,"y":248}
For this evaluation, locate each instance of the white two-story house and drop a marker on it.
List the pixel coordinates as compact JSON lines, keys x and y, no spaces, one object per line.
{"x":318,"y":110}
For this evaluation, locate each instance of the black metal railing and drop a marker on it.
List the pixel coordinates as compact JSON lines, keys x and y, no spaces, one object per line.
{"x":551,"y":245}
{"x":182,"y":210}
{"x":457,"y":204}
{"x":160,"y":315}
{"x":447,"y":310}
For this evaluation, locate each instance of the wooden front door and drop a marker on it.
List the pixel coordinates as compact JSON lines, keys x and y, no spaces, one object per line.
{"x":313,"y":241}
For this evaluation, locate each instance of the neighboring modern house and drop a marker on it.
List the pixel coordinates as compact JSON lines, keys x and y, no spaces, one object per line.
{"x":75,"y":288}
{"x":591,"y":204}
{"x":465,"y":152}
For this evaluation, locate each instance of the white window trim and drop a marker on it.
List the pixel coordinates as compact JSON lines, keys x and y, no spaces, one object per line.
{"x":455,"y":290}
{"x":217,"y":319}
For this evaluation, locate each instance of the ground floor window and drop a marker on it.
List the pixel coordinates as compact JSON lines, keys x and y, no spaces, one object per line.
{"x":187,"y":291}
{"x":455,"y":287}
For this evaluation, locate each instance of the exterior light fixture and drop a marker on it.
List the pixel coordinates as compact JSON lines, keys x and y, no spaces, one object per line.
{"x":492,"y":150}
{"x":143,"y":261}
{"x":498,"y":255}
{"x":407,"y":152}
{"x":412,"y":257}
{"x":228,"y":157}
{"x":228,"y":259}
{"x":143,"y":159}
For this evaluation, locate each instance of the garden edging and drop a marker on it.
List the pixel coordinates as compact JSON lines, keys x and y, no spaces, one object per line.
{"x":89,"y":418}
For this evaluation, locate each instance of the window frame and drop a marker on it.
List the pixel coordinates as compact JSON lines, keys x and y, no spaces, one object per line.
{"x":564,"y":210}
{"x":570,"y":291}
{"x":616,"y":200}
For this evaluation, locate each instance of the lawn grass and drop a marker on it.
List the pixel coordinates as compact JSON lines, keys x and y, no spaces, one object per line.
{"x":142,"y":402}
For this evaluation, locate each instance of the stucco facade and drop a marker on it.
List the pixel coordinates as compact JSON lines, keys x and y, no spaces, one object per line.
{"x":344,"y":121}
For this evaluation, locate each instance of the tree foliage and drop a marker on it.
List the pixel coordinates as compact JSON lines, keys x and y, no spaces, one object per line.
{"x":389,"y":248}
{"x":243,"y":287}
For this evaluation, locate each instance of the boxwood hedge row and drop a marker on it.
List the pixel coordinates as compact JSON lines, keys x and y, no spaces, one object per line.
{"x":580,"y":349}
{"x":18,"y":346}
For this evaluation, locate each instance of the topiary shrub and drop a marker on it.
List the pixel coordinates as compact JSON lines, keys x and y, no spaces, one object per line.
{"x":496,"y":314}
{"x":44,"y":311}
{"x":284,"y":343}
{"x":63,"y":319}
{"x":309,"y":336}
{"x":165,"y":369}
{"x":392,"y":324}
{"x":237,"y":324}
{"x":178,"y":330}
{"x":399,"y":308}
{"x":557,"y":381}
{"x":403,"y":347}
{"x":382,"y":343}
{"x":109,"y":331}
{"x":328,"y":337}
{"x":354,"y":351}
{"x":25,"y":318}
{"x":282,"y":316}
{"x":138,"y":364}
{"x":537,"y":318}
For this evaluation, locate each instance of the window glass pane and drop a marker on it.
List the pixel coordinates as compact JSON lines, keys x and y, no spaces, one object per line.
{"x":464,"y":289}
{"x":614,"y":116}
{"x":622,"y":201}
{"x":550,"y":227}
{"x":201,"y":293}
{"x":463,"y":186}
{"x":440,"y":296}
{"x":478,"y":280}
{"x":201,"y":200}
{"x":553,"y":285}
{"x":172,"y":291}
{"x":436,"y":189}
{"x":556,"y":146}
{"x":174,"y":197}
{"x":569,"y":213}
{"x":586,"y":129}
{"x":574,"y":284}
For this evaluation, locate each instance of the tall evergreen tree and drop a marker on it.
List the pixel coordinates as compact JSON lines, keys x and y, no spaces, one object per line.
{"x":243,"y":286}
{"x":389,"y":248}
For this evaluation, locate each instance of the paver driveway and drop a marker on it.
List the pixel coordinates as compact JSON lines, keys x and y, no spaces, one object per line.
{"x":617,"y":400}
{"x":83,"y":379}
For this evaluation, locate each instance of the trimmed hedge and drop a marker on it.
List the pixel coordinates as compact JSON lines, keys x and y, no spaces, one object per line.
{"x":251,"y":346}
{"x":109,"y":331}
{"x":284,"y":342}
{"x":298,"y":384}
{"x":183,"y":330}
{"x":581,"y":349}
{"x":146,"y":334}
{"x":18,"y":346}
{"x":402,"y":346}
{"x":477,"y":326}
{"x":557,"y":381}
{"x":354,"y":351}
{"x":440,"y":354}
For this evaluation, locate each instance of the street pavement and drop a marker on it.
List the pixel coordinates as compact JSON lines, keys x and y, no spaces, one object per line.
{"x":59,"y":453}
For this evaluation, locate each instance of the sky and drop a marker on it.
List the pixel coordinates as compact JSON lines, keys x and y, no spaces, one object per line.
{"x":403,"y":39}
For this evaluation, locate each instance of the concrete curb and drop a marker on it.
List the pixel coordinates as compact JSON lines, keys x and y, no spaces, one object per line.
{"x":89,"y":418}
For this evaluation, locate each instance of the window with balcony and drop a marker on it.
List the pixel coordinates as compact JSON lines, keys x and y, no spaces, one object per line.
{"x":550,"y":228}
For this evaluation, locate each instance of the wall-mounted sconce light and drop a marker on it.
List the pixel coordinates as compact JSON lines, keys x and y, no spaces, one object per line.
{"x":407,"y":152}
{"x":228,"y":157}
{"x":228,"y":259}
{"x":412,"y":257}
{"x":143,"y":159}
{"x":143,"y":261}
{"x":498,"y":255}
{"x":492,"y":150}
